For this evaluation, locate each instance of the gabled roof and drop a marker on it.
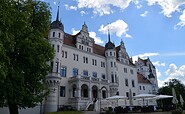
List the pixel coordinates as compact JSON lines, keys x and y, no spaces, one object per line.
{"x":70,"y":40}
{"x":97,"y":49}
{"x":142,"y":79}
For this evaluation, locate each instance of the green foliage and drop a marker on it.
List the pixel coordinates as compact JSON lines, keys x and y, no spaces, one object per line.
{"x":177,"y":111}
{"x":24,"y":52}
{"x":167,"y":90}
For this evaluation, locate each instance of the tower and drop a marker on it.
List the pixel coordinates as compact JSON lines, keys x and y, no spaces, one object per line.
{"x":55,"y":37}
{"x":110,"y":54}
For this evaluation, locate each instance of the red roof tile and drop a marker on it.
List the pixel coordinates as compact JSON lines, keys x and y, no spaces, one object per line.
{"x":142,"y":79}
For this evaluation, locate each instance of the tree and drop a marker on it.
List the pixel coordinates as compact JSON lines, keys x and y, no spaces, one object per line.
{"x":167,"y":89}
{"x":24,"y":53}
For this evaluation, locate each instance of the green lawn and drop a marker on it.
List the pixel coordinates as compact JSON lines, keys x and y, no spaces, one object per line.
{"x":67,"y":112}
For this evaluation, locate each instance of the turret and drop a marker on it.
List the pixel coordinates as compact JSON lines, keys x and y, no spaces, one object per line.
{"x":110,"y":54}
{"x":55,"y":37}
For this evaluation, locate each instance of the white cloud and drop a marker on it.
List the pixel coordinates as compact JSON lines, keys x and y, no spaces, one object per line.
{"x":168,"y":6}
{"x":96,"y":39}
{"x":119,"y":27}
{"x":144,"y":56}
{"x":160,"y":83}
{"x":54,"y":3}
{"x":82,"y":13}
{"x":182,"y":20}
{"x":74,"y":31}
{"x":157,"y":63}
{"x":174,"y":72}
{"x":70,"y":7}
{"x":158,"y":73}
{"x":91,"y":34}
{"x":144,"y":14}
{"x":139,"y":6}
{"x":103,"y":7}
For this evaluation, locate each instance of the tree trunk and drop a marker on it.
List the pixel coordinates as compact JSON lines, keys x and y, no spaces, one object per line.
{"x":13,"y":108}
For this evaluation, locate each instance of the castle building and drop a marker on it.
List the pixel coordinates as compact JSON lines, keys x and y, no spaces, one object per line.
{"x":85,"y":74}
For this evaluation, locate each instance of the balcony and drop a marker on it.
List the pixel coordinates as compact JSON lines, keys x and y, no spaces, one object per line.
{"x":87,"y":79}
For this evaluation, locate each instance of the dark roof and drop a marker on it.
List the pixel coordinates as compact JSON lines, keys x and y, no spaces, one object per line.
{"x":57,"y":25}
{"x":109,"y":45}
{"x":97,"y":49}
{"x":142,"y":79}
{"x":70,"y":40}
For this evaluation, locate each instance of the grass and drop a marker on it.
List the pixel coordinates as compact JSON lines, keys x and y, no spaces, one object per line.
{"x":67,"y":112}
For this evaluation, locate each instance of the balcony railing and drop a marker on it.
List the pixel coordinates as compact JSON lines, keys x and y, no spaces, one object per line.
{"x":88,"y":78}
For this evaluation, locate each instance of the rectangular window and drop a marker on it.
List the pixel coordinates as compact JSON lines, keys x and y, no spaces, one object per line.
{"x":95,"y":62}
{"x":134,"y":94}
{"x":62,"y":91}
{"x":103,"y":76}
{"x":125,"y":70}
{"x":103,"y":94}
{"x":51,"y":66}
{"x":126,"y":82}
{"x":95,"y":74}
{"x":114,"y":64}
{"x":92,"y":61}
{"x":143,"y":87}
{"x":140,"y":87}
{"x":62,"y":53}
{"x":104,"y":64}
{"x":127,"y":94}
{"x":76,"y":57}
{"x":111,"y":64}
{"x":86,"y":60}
{"x":85,"y":73}
{"x":75,"y":72}
{"x":53,"y":46}
{"x":56,"y":67}
{"x":59,"y":35}
{"x":112,"y":77}
{"x":58,"y":48}
{"x":131,"y":71}
{"x":63,"y":71}
{"x":110,"y":53}
{"x":53,"y":34}
{"x":133,"y":84}
{"x":116,"y":78}
{"x":79,"y":46}
{"x":65,"y":54}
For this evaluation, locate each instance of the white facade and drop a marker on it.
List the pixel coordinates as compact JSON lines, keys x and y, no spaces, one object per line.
{"x":84,"y":73}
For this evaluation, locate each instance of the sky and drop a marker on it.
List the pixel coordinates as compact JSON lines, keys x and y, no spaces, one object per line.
{"x":149,"y":28}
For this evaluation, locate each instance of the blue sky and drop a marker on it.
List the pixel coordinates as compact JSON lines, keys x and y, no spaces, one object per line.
{"x":149,"y":28}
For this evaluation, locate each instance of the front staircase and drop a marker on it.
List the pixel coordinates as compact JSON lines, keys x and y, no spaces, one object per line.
{"x":91,"y":107}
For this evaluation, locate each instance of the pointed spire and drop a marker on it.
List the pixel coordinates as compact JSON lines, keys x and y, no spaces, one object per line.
{"x":108,"y":35}
{"x":57,"y":19}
